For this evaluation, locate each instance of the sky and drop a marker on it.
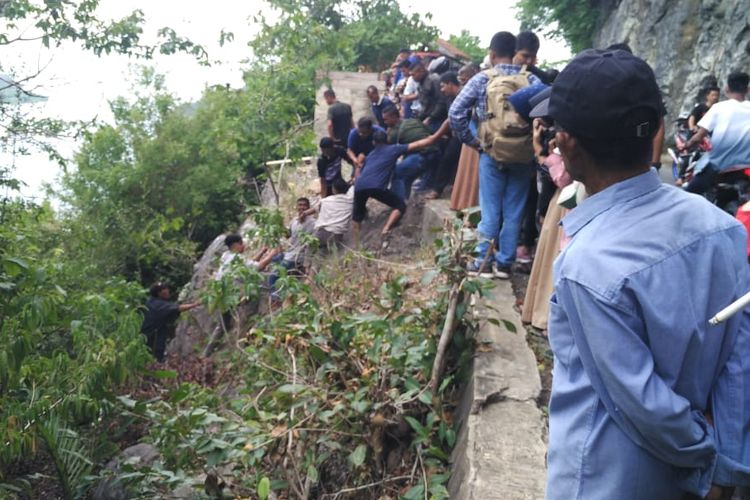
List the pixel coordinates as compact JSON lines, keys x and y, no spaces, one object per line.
{"x":80,"y":85}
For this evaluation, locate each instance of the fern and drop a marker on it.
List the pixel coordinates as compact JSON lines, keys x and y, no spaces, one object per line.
{"x":68,"y":453}
{"x":14,"y":489}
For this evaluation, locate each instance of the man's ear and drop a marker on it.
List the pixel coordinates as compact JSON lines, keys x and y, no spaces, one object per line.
{"x":567,"y":144}
{"x":571,"y":153}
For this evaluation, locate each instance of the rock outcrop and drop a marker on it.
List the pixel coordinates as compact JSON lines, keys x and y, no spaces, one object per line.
{"x":194,"y":328}
{"x":685,"y":41}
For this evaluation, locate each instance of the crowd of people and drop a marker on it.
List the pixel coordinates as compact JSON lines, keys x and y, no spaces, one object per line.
{"x":649,"y":400}
{"x":438,"y":110}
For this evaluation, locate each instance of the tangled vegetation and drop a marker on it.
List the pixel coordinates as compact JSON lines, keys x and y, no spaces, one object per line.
{"x":326,"y":398}
{"x":574,"y":21}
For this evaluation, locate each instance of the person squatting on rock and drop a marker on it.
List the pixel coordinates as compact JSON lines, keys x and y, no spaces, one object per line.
{"x":334,"y":215}
{"x":293,"y":258}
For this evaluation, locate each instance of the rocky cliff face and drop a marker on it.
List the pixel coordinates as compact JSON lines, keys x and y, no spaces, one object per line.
{"x":685,"y":41}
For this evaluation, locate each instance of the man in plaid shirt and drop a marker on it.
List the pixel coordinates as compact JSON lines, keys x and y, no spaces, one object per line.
{"x":503,"y":188}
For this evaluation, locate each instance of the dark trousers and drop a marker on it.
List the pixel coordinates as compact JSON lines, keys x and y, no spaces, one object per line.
{"x":156,"y":341}
{"x":445,"y":173}
{"x":708,"y":177}
{"x":384,"y":196}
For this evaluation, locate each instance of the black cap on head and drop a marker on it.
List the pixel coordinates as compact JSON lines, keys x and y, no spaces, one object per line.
{"x":606,"y":94}
{"x":540,"y":104}
{"x":326,"y":142}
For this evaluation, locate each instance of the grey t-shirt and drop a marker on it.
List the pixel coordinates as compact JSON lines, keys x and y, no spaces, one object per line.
{"x":296,"y":250}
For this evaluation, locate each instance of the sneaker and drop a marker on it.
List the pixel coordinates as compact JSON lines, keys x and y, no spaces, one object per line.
{"x":473,"y":269}
{"x":523,"y":255}
{"x":502,"y":272}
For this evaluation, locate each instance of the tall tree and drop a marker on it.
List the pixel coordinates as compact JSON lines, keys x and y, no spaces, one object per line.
{"x":55,"y":22}
{"x":570,"y":20}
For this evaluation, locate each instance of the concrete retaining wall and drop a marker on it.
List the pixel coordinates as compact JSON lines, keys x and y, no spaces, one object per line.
{"x":351,"y":89}
{"x":501,"y":448}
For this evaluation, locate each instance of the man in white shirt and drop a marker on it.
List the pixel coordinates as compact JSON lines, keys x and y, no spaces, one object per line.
{"x":411,"y":95}
{"x":235,"y":249}
{"x":334,"y":213}
{"x":728,"y":122}
{"x":234,"y":256}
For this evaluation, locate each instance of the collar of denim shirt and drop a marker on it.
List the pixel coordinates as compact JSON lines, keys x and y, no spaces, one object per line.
{"x":602,"y":201}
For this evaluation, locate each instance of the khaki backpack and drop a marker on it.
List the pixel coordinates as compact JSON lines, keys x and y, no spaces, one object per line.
{"x":504,"y":135}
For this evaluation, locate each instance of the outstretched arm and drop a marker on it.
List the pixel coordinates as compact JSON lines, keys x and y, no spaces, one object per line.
{"x":423,"y":143}
{"x":188,"y":306}
{"x":444,"y":128}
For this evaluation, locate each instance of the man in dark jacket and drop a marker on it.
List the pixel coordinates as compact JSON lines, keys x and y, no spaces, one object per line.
{"x":160,"y":312}
{"x":434,"y":109}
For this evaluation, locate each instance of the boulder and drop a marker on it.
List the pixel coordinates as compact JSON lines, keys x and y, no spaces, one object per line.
{"x":686,"y":43}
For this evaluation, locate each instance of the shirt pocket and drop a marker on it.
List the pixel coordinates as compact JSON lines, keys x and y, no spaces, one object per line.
{"x":559,"y":332}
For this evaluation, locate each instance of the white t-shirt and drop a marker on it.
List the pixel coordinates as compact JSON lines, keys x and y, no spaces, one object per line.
{"x":729,"y":124}
{"x":412,"y":87}
{"x":335,"y":212}
{"x":226,"y":261}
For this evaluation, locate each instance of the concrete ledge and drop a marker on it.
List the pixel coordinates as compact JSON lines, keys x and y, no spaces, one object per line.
{"x":435,"y":213}
{"x":500,"y":451}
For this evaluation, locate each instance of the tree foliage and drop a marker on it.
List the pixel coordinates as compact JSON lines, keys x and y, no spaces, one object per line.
{"x":342,"y":34}
{"x":148,"y":192}
{"x":469,"y":44}
{"x":571,"y":20}
{"x":160,"y":184}
{"x":55,"y":22}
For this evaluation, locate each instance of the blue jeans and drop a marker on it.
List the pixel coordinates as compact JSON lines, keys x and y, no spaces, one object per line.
{"x":408,"y":169}
{"x":289,"y":265}
{"x":502,"y":198}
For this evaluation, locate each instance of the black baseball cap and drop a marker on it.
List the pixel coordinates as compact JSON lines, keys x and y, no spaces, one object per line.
{"x":540,"y":104}
{"x":326,"y":142}
{"x":606,"y":94}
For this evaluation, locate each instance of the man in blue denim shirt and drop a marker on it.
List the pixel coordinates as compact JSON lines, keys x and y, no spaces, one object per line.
{"x":503,"y":188}
{"x":648,"y":400}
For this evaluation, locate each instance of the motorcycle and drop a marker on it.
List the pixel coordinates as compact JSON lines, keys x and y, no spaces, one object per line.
{"x":683,"y":161}
{"x":732,"y":188}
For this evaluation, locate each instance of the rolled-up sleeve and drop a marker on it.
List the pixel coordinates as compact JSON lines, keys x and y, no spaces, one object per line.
{"x":460,"y":111}
{"x":621,"y":368}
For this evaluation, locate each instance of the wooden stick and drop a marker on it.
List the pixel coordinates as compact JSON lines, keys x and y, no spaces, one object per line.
{"x":445,"y":336}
